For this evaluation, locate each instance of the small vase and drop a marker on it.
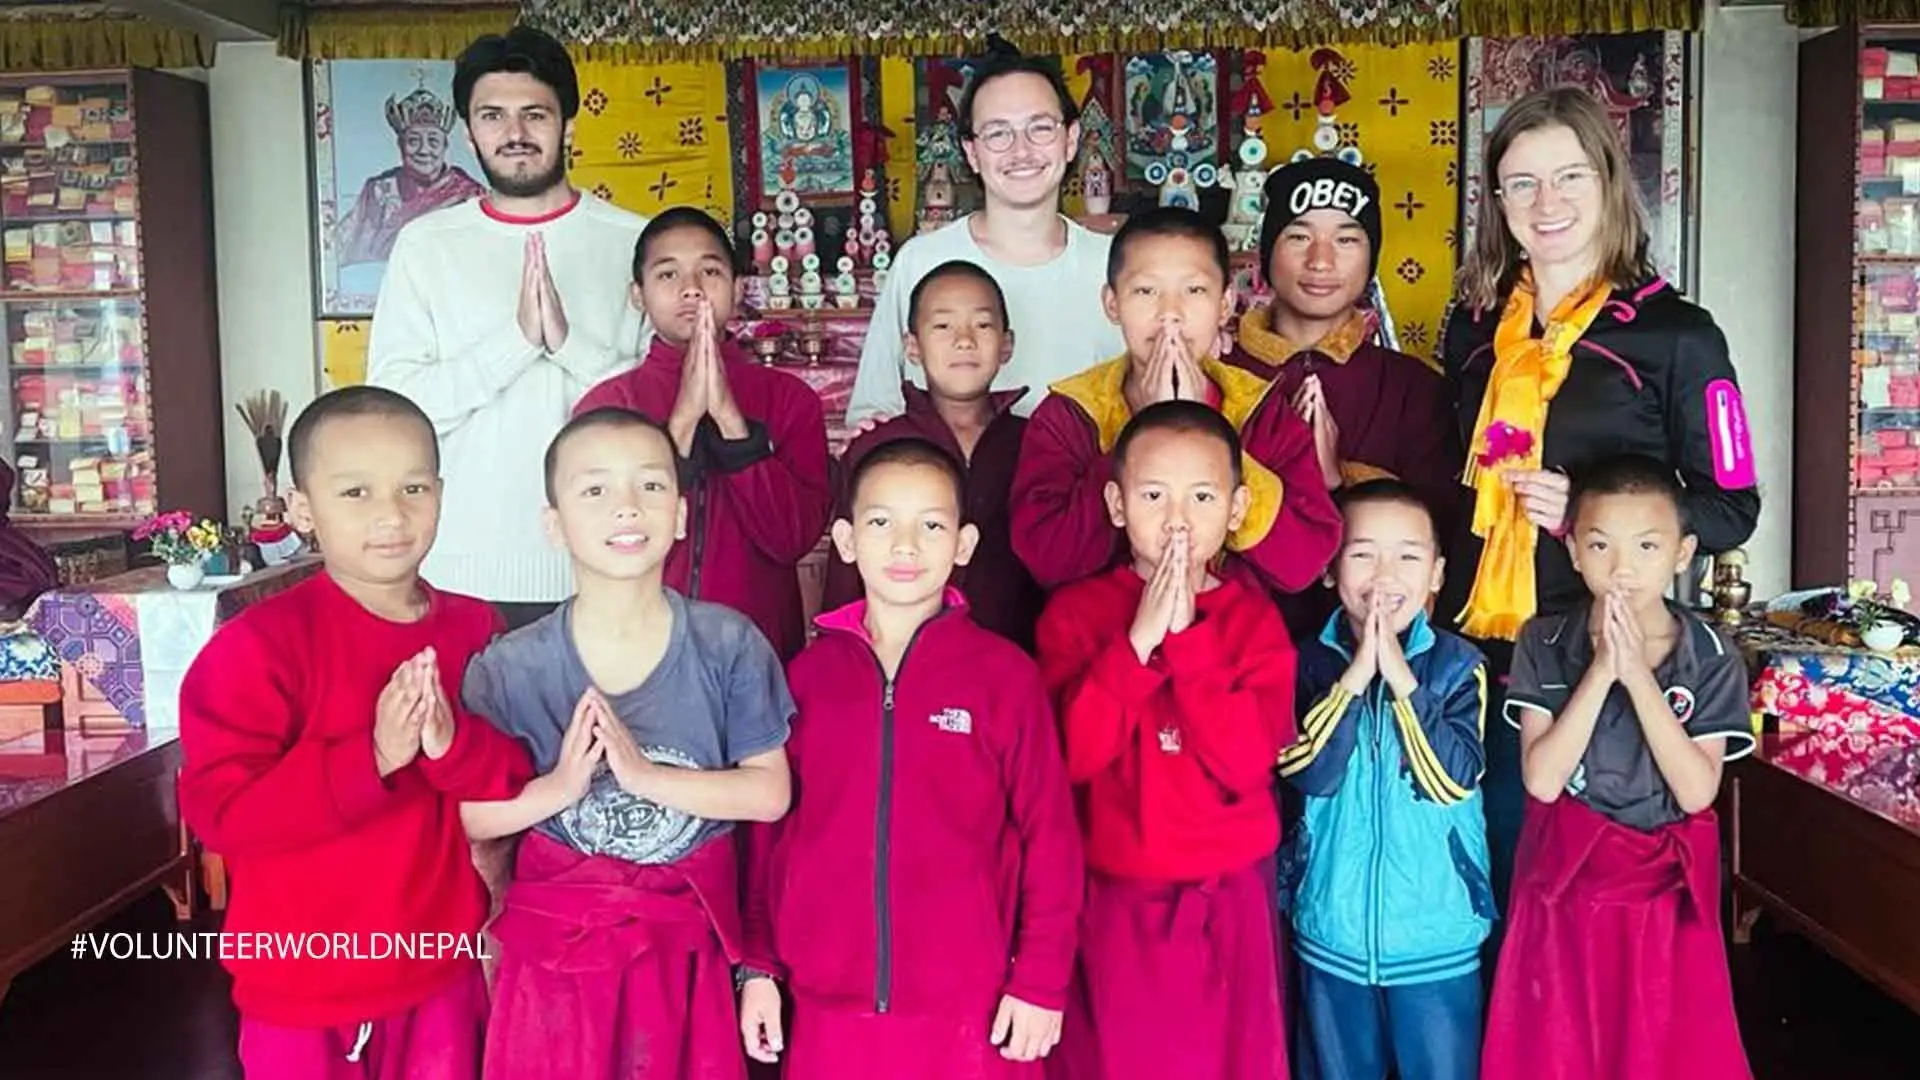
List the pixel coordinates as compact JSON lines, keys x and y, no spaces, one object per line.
{"x":1883,"y":636}
{"x":186,"y":575}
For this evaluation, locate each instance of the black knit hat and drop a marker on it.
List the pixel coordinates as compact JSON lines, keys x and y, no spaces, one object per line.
{"x":1320,"y":183}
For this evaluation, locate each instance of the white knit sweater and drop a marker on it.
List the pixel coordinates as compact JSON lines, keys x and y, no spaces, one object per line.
{"x":446,"y":334}
{"x":1059,"y":326}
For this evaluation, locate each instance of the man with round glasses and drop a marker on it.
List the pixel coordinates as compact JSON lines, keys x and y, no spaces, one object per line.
{"x":1020,"y":130}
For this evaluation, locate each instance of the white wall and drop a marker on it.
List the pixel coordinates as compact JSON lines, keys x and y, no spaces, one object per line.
{"x":262,"y":225}
{"x":1746,"y":155}
{"x":1746,"y":207}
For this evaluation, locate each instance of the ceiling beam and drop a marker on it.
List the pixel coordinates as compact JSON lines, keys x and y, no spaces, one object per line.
{"x":216,"y":20}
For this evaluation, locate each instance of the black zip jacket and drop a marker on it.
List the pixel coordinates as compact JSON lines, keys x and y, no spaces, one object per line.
{"x":1639,"y":383}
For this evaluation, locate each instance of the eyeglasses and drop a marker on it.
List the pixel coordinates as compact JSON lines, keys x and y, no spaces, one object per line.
{"x":1521,"y":192}
{"x":1041,"y":131}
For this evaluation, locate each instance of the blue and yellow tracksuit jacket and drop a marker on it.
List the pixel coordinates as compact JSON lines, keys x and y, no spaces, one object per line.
{"x":1387,"y":871}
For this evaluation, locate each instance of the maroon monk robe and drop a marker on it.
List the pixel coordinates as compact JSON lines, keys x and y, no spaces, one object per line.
{"x":1394,"y":413}
{"x":610,"y":968}
{"x":1001,"y":595}
{"x":757,"y":505}
{"x":26,"y":570}
{"x":1063,"y":532}
{"x":1613,"y":965}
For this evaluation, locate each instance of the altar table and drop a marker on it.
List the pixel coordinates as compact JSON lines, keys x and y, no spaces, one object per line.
{"x":126,"y":642}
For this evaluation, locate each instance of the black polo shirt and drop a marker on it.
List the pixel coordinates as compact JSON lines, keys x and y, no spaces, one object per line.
{"x":1706,"y":686}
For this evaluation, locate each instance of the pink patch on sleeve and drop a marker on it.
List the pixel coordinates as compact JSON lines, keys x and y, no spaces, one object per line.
{"x":1729,"y":436}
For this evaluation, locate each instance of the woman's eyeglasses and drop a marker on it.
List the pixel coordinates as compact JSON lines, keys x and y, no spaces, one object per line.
{"x":1523,"y":191}
{"x":1040,"y":131}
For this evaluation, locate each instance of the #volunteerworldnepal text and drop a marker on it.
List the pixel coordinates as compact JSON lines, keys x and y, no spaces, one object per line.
{"x":315,"y":945}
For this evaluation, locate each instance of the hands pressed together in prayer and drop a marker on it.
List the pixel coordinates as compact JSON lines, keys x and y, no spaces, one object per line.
{"x":412,"y":716}
{"x":1170,"y":374}
{"x":1619,"y":645}
{"x":542,"y":318}
{"x":593,"y":736}
{"x":703,"y":388}
{"x":1380,"y":652}
{"x":1310,"y":405}
{"x":1167,"y":606}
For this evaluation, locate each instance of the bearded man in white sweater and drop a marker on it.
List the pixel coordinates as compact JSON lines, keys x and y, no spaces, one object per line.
{"x":498,"y":314}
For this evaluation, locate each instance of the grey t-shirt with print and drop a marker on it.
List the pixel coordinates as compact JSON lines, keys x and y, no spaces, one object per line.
{"x":717,"y":697}
{"x":1706,"y":686}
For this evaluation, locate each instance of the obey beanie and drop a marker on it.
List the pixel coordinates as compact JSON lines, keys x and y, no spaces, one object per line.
{"x":1320,"y":183}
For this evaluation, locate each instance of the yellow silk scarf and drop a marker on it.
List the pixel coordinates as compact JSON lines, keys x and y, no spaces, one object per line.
{"x":1527,"y":373}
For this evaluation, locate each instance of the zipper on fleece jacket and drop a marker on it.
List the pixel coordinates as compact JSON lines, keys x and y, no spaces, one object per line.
{"x":883,"y":855}
{"x":1378,"y":732}
{"x":883,"y":834}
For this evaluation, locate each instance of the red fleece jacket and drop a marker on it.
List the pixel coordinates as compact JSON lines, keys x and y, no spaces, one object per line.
{"x":276,"y":723}
{"x":1172,"y":759}
{"x":973,"y":886}
{"x":755,"y":506}
{"x":1061,"y":528}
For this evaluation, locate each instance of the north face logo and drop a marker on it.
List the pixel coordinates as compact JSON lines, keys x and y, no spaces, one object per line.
{"x":956,"y":721}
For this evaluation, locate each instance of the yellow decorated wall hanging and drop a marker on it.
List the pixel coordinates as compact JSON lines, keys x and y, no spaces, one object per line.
{"x":343,"y":351}
{"x":651,"y":136}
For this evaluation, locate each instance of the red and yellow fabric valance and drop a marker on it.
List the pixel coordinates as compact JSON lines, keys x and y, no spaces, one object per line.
{"x":620,"y":30}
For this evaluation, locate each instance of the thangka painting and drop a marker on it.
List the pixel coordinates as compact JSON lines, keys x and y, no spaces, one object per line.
{"x":1171,"y":105}
{"x":1642,"y":80}
{"x":806,"y":116}
{"x":387,"y":148}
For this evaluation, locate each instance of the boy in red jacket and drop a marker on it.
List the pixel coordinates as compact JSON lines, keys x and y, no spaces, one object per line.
{"x":957,"y":331}
{"x":326,"y":757}
{"x":1175,"y":691}
{"x":753,"y":440}
{"x":659,"y":722}
{"x":944,"y":950}
{"x":1167,"y":275}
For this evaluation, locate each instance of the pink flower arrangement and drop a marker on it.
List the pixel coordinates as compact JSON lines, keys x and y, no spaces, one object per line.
{"x":172,"y":521}
{"x":177,"y":538}
{"x":1504,"y":441}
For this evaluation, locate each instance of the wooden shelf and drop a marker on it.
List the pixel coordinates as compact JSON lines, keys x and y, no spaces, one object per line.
{"x":158,"y":189}
{"x":56,"y":217}
{"x":25,"y":296}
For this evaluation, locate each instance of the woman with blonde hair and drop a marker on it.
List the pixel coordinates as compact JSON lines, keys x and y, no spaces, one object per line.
{"x":1565,"y":346}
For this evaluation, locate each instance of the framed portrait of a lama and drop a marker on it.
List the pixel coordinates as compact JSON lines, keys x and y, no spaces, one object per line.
{"x":388,"y":147}
{"x":1644,"y":81}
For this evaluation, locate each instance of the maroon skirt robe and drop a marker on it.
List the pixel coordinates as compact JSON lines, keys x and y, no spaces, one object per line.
{"x":1614,"y":964}
{"x":610,"y":968}
{"x":1176,"y":980}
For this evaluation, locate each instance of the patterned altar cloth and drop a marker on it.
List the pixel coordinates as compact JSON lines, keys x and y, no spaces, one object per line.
{"x":133,"y":636}
{"x":1810,"y":684}
{"x":25,"y":657}
{"x":1877,"y":768}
